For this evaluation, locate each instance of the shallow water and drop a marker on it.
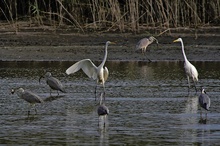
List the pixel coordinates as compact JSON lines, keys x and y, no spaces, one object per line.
{"x":148,"y":103}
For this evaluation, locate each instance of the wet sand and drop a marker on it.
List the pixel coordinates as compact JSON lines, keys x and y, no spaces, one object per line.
{"x":67,"y":46}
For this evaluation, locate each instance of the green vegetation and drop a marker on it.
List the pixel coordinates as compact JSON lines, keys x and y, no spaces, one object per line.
{"x":111,"y":15}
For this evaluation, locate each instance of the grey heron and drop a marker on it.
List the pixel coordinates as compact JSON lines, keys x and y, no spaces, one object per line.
{"x":91,"y":70}
{"x":204,"y":101}
{"x":144,"y":43}
{"x":28,"y":96}
{"x":102,"y":110}
{"x":190,"y":69}
{"x":53,"y":83}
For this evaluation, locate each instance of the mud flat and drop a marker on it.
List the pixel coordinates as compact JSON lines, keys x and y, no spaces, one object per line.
{"x":69,"y":46}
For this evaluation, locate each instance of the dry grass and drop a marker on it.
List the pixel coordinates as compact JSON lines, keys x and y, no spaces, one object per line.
{"x":112,"y":15}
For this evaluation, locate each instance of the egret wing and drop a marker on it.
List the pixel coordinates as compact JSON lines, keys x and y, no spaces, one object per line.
{"x":86,"y":65}
{"x":194,"y":72}
{"x":106,"y":73}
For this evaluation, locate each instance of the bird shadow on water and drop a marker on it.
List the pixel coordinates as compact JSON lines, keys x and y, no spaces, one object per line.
{"x":52,"y":98}
{"x":203,"y":121}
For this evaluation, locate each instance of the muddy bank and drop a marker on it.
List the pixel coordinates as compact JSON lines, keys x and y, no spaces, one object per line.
{"x":67,"y":46}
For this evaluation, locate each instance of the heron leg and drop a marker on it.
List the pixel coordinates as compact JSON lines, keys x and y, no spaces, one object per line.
{"x":149,"y":60}
{"x":201,"y":113}
{"x":50,"y":92}
{"x":35,"y":110}
{"x":57,"y":92}
{"x":29,"y":109}
{"x":28,"y":112}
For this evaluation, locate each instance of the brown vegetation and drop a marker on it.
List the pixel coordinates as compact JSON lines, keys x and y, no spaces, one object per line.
{"x":111,"y":15}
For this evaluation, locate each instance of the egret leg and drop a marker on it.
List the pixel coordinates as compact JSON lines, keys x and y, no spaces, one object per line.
{"x":50,"y":92}
{"x":188,"y":83}
{"x":95,"y":91}
{"x":104,"y":92}
{"x":57,"y":92}
{"x":195,"y":86}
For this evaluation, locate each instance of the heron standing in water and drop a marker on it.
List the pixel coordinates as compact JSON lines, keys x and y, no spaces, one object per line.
{"x":204,"y":102}
{"x":53,"y":83}
{"x":144,"y":43}
{"x":28,"y":96}
{"x":102,"y":110}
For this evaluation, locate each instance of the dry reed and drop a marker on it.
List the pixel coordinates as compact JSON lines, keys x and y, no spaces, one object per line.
{"x":112,"y":15}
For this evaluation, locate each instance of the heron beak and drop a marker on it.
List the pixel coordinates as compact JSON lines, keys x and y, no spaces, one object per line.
{"x":40,"y":78}
{"x":12,"y":91}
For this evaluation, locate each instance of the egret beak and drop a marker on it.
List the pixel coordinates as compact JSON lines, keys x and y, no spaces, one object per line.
{"x":176,"y":40}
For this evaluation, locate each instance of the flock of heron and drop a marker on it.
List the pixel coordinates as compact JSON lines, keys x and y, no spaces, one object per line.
{"x":101,"y":73}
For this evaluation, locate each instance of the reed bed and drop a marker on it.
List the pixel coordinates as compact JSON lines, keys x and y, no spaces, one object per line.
{"x":111,"y":15}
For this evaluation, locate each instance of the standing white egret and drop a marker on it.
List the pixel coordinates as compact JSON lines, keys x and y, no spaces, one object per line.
{"x":204,"y":102}
{"x":28,"y":96}
{"x":190,"y":69}
{"x":144,"y":43}
{"x":91,"y":70}
{"x":102,"y":110}
{"x":54,"y":83}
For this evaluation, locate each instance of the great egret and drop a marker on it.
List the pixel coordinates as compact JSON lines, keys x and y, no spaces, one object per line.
{"x":97,"y":73}
{"x":143,"y":43}
{"x":204,"y":102}
{"x":54,"y":83}
{"x":102,"y":110}
{"x":28,"y":96}
{"x":190,"y":69}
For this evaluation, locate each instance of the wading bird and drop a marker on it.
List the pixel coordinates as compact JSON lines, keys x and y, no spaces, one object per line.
{"x":28,"y":96}
{"x":204,"y":102}
{"x":54,"y":83}
{"x":143,"y":43}
{"x":97,"y":73}
{"x":190,"y":69}
{"x":102,"y":110}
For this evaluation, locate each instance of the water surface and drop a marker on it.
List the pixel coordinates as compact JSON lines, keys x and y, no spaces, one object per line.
{"x":148,"y":103}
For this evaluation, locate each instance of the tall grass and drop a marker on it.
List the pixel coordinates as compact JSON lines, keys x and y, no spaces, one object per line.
{"x":112,"y":15}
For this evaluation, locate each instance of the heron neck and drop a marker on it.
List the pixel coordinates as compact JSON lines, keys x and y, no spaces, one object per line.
{"x":184,"y":55}
{"x":151,"y":41}
{"x":105,"y":57}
